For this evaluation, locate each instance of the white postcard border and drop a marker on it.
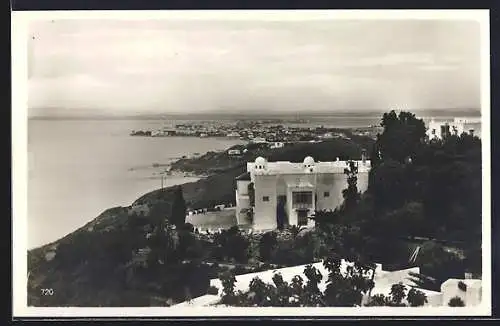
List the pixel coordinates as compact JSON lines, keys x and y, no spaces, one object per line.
{"x":19,"y":34}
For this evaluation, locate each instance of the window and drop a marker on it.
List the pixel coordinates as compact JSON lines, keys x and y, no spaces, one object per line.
{"x":302,"y":197}
{"x":265,"y":198}
{"x":326,"y":194}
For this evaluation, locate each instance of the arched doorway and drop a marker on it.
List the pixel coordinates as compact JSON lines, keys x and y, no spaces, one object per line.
{"x":281,"y":215}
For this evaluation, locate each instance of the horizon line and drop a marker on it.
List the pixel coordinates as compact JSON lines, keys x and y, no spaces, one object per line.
{"x":103,"y":113}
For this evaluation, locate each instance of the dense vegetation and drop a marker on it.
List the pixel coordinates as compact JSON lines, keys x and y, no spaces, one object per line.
{"x":416,"y":189}
{"x":349,"y":289}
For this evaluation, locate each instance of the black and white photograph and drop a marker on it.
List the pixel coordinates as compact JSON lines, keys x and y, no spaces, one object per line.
{"x":251,"y":163}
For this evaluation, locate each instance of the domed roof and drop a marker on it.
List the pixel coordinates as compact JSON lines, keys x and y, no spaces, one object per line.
{"x":308,"y":160}
{"x":260,"y":160}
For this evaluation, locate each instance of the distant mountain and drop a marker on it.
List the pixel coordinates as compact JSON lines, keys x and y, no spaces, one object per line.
{"x":68,"y":114}
{"x":449,"y":112}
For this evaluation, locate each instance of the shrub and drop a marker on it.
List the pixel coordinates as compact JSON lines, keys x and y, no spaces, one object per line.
{"x":416,"y":298}
{"x":228,"y":296}
{"x":456,"y":302}
{"x":342,"y":290}
{"x":398,"y":293}
{"x":462,"y":286}
{"x":231,"y":245}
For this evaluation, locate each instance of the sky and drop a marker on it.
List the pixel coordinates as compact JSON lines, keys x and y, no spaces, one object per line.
{"x":183,"y":66}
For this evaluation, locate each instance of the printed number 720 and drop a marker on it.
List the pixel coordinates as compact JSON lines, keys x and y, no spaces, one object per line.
{"x":47,"y":291}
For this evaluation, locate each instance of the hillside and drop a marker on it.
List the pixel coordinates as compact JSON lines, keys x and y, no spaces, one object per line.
{"x":96,"y":264}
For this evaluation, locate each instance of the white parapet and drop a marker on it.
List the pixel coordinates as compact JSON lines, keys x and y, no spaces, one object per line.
{"x":383,"y":282}
{"x":243,"y":281}
{"x":468,"y":290}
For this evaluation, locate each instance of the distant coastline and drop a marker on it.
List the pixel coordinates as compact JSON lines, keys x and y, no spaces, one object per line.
{"x":62,"y":114}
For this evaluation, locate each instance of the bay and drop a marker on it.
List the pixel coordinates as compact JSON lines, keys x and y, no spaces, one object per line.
{"x":79,"y":168}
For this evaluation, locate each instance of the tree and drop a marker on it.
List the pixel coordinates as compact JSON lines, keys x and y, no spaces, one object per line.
{"x":189,"y":247}
{"x":402,"y":136}
{"x":228,"y":281}
{"x":178,"y":208}
{"x":351,"y":194}
{"x":164,"y":244}
{"x":342,"y":290}
{"x":388,"y":185}
{"x":231,"y":245}
{"x":267,"y":243}
{"x":397,"y":293}
{"x":349,"y":289}
{"x":323,"y":219}
{"x":416,"y":298}
{"x":295,"y":230}
{"x":376,"y":154}
{"x":409,"y":220}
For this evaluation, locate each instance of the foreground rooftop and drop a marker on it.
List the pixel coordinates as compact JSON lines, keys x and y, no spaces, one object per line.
{"x":383,"y":281}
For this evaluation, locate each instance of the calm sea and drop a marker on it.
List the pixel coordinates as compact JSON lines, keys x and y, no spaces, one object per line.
{"x":79,"y":168}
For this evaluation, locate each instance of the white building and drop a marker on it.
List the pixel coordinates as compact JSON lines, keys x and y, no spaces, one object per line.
{"x":457,"y":126}
{"x":296,"y":190}
{"x":466,"y":120}
{"x":258,"y":140}
{"x":276,"y":145}
{"x":233,"y":134}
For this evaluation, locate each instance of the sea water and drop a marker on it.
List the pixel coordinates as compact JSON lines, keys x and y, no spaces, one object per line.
{"x":79,"y":168}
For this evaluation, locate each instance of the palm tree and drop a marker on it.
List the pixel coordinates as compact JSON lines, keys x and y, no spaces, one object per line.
{"x":295,"y":230}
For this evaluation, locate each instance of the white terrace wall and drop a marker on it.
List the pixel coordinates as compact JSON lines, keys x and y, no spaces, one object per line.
{"x":471,"y":296}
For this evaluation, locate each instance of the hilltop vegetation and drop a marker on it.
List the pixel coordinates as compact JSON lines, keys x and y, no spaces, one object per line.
{"x":420,"y":189}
